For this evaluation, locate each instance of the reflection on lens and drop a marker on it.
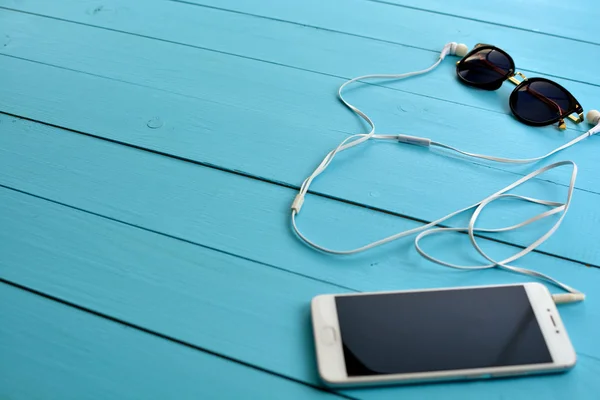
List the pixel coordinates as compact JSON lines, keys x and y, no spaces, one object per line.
{"x":540,"y":102}
{"x":485,"y":66}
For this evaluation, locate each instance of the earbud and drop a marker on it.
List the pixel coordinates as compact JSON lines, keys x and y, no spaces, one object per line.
{"x":454,"y":49}
{"x":593,"y":117}
{"x":459,"y":49}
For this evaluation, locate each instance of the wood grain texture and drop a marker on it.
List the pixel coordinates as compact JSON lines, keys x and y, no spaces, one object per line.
{"x":250,"y":312}
{"x":51,"y":351}
{"x":570,"y":19}
{"x":222,"y":210}
{"x":338,"y":54}
{"x":193,"y":244}
{"x":278,"y":128}
{"x":198,"y":72}
{"x":386,"y":22}
{"x":158,"y":282}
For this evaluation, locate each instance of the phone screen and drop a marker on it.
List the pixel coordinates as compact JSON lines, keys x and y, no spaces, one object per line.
{"x":439,"y":330}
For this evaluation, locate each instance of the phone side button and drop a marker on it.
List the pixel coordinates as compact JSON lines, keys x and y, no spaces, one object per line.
{"x":328,"y":336}
{"x":485,"y":376}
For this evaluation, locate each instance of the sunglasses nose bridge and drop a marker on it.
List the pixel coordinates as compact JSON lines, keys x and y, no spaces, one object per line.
{"x":512,"y":78}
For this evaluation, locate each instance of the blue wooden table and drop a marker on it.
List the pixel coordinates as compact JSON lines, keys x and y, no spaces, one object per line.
{"x":149,"y":152}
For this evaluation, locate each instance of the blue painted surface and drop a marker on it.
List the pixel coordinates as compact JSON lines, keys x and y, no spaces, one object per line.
{"x":131,"y":137}
{"x":53,"y":351}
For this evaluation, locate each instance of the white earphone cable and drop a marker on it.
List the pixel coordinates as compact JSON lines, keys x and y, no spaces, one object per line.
{"x":470,"y":229}
{"x":518,"y":160}
{"x":354,"y":140}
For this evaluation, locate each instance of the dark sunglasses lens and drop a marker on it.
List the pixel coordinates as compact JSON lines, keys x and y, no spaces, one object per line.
{"x":540,"y":102}
{"x":485,"y":66}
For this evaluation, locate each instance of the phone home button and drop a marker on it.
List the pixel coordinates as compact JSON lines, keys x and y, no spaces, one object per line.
{"x":328,"y":336}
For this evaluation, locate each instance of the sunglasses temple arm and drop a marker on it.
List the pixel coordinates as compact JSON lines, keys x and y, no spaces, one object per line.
{"x":494,"y":67}
{"x":545,"y":99}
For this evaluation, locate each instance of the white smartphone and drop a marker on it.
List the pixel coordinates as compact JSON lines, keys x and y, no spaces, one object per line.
{"x":439,"y":334}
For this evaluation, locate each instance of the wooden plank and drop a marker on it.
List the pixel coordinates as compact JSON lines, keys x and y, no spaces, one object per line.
{"x":226,"y":212}
{"x":181,"y":76}
{"x":209,"y":207}
{"x":279,"y":146}
{"x":514,"y":146}
{"x":414,"y":27}
{"x":164,"y":198}
{"x":193,"y":294}
{"x":569,"y":19}
{"x":323,"y":51}
{"x":181,"y":73}
{"x":51,"y":351}
{"x":68,"y":46}
{"x":251,"y":312}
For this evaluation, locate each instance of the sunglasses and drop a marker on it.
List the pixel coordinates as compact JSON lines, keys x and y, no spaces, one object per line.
{"x":535,"y":101}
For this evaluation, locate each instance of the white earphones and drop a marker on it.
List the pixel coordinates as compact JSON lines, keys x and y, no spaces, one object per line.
{"x":593,"y":117}
{"x":454,"y":49}
{"x":429,"y":229}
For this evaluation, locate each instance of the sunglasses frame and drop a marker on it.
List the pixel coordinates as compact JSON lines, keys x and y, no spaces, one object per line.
{"x":574,"y":106}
